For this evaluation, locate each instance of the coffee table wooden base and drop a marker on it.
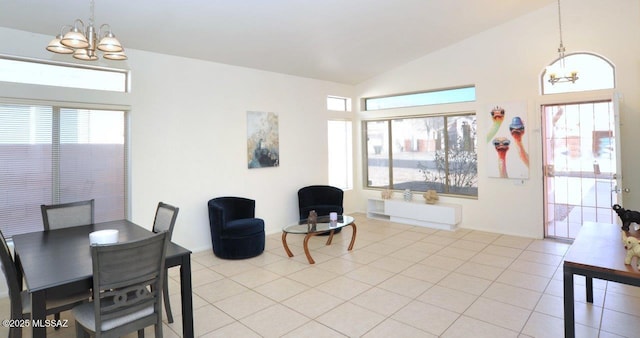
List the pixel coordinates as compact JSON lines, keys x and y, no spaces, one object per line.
{"x":309,"y":235}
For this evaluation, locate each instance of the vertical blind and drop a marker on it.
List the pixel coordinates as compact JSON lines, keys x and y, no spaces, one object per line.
{"x":51,"y":155}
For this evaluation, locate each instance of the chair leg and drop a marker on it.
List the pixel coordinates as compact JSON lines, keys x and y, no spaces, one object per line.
{"x":80,"y":331}
{"x":158,"y":329}
{"x":15,"y":332}
{"x":56,"y":316}
{"x":165,"y":294}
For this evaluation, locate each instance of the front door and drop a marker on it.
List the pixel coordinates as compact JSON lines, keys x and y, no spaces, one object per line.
{"x":580,"y":166}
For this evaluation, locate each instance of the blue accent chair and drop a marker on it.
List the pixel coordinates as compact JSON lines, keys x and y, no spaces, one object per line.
{"x":235,"y":231}
{"x":324,"y":199}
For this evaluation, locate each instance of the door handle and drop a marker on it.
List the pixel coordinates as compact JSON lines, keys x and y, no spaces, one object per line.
{"x":619,"y":190}
{"x":549,"y":170}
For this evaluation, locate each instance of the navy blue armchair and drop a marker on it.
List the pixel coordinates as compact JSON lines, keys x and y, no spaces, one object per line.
{"x":324,"y":199}
{"x":235,"y":231}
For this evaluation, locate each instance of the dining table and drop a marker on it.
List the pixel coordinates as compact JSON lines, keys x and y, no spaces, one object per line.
{"x":58,"y":262}
{"x":597,"y":252}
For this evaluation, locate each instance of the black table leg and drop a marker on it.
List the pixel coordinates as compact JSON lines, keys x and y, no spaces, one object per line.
{"x":589,"y":286}
{"x":38,"y":314}
{"x":569,"y":316}
{"x":187,"y":297}
{"x":19,"y":270}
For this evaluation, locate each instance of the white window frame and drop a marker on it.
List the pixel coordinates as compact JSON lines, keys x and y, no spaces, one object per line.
{"x":338,"y":103}
{"x":40,"y":72}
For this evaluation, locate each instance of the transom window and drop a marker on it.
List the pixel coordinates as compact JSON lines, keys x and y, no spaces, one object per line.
{"x":37,"y":72}
{"x":440,"y":96}
{"x":338,"y":103}
{"x":594,"y":72}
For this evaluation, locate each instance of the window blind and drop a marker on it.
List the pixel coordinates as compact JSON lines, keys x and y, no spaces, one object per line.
{"x":51,"y":155}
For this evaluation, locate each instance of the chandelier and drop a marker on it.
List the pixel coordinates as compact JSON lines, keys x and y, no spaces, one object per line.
{"x":560,"y":73}
{"x":85,"y":46}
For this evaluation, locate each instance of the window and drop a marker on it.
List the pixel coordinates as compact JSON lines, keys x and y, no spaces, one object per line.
{"x":338,"y":103}
{"x":340,"y":154}
{"x":423,"y":153}
{"x":51,"y":154}
{"x":30,"y":71}
{"x":594,"y":72}
{"x":464,"y":94}
{"x":340,"y":147}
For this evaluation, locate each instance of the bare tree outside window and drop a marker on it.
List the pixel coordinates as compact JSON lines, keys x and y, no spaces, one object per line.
{"x":424,"y":153}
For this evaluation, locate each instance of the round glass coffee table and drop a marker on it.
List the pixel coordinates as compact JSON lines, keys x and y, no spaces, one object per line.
{"x":323,"y":225}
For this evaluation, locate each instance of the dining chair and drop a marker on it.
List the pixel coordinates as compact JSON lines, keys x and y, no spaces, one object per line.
{"x":165,"y":219}
{"x":127,"y":279}
{"x":21,"y":299}
{"x":65,"y":215}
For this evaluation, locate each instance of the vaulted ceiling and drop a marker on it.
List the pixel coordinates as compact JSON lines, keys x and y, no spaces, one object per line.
{"x":346,"y":41}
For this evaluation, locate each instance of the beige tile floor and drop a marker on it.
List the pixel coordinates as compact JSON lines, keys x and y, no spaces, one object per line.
{"x":400,"y":281}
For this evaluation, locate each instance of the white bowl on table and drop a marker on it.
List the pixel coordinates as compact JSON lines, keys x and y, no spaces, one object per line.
{"x":101,"y":237}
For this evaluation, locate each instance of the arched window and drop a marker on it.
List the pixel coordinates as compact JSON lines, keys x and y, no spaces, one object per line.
{"x":594,"y":72}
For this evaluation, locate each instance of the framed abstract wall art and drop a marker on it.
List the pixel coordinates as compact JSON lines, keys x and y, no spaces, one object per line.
{"x":262,"y":139}
{"x":507,"y":141}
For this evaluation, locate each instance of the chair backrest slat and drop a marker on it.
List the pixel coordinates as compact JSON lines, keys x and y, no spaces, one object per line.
{"x":57,"y":216}
{"x":127,"y":277}
{"x":165,"y":219}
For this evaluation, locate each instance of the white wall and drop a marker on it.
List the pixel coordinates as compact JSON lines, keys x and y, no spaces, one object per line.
{"x":505,"y":63}
{"x":188,"y":141}
{"x":188,"y":134}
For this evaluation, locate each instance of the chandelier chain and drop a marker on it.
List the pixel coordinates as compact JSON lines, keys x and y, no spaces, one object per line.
{"x":560,"y":28}
{"x":92,"y":13}
{"x":564,"y":76}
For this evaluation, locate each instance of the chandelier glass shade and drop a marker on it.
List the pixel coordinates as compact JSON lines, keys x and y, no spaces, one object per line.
{"x":558,"y":72}
{"x":84,"y":42}
{"x":56,"y":47}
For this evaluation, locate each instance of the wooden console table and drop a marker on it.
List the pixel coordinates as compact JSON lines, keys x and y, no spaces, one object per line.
{"x":597,"y":252}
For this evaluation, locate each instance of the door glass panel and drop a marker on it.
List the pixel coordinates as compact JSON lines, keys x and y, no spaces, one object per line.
{"x":580,"y":166}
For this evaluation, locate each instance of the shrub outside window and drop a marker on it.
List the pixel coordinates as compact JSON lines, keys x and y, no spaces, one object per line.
{"x":423,"y":153}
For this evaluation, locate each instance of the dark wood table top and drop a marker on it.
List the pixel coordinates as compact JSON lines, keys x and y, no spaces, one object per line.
{"x":598,"y":247}
{"x":58,"y":257}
